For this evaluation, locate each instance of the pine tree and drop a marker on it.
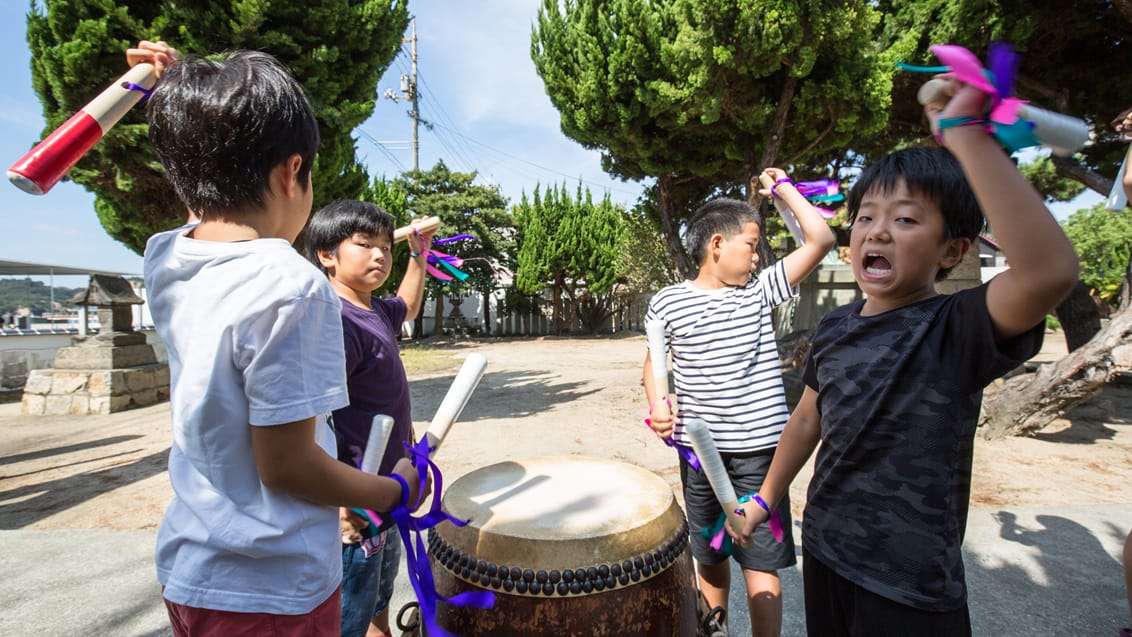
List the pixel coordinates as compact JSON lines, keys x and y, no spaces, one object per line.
{"x":78,"y":48}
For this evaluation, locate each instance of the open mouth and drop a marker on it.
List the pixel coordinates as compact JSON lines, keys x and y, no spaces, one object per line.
{"x":876,"y":265}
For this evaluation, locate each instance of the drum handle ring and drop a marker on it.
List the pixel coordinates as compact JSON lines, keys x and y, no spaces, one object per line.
{"x":414,"y":620}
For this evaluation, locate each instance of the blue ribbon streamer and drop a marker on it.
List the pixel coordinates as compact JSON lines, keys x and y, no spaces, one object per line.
{"x":416,"y":553}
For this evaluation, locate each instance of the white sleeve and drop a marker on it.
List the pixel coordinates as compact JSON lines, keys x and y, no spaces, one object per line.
{"x":296,"y":362}
{"x":775,"y":284}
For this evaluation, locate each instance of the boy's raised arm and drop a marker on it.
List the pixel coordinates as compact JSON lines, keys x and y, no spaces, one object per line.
{"x":816,"y":234}
{"x":411,"y":289}
{"x":1043,"y":264}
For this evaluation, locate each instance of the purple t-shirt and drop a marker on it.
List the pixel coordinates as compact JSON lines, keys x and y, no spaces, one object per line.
{"x":375,"y":379}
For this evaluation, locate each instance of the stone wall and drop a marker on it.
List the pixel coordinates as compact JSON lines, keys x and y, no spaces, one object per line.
{"x":82,"y":392}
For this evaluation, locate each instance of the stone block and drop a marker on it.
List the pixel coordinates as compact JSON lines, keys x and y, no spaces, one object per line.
{"x":39,"y":382}
{"x":139,"y":379}
{"x":144,"y":398}
{"x":80,"y":404}
{"x":69,"y":382}
{"x":161,"y":376}
{"x":119,"y":403}
{"x":57,"y":405}
{"x":162,"y":393}
{"x":100,"y":405}
{"x":33,"y":405}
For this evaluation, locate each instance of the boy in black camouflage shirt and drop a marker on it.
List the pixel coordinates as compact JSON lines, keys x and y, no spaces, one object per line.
{"x":894,"y":383}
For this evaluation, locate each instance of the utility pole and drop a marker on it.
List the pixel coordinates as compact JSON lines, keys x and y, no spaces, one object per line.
{"x":410,"y":92}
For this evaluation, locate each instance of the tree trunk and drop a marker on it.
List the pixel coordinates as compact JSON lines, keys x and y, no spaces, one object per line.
{"x":1071,"y":169}
{"x":1026,"y":403}
{"x":769,"y":156}
{"x":438,"y":320}
{"x":487,"y":314}
{"x":556,"y":306}
{"x":1080,"y":319}
{"x":676,"y":251}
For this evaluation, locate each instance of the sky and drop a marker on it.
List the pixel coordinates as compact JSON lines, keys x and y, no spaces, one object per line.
{"x":479,"y":90}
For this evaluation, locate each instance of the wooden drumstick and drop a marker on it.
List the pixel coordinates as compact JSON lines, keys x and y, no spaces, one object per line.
{"x":45,"y":164}
{"x":658,"y":359}
{"x":449,"y":410}
{"x":711,"y":463}
{"x":1062,"y":134}
{"x":424,"y":225}
{"x":380,"y":430}
{"x":788,"y":215}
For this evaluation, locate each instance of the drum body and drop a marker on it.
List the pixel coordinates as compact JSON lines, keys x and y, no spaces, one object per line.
{"x":569,"y":546}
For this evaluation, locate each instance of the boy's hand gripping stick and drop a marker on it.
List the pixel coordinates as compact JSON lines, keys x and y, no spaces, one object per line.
{"x":788,"y":215}
{"x":381,"y":427}
{"x":712,"y":466}
{"x":424,"y":225}
{"x":458,"y":394}
{"x":45,"y":164}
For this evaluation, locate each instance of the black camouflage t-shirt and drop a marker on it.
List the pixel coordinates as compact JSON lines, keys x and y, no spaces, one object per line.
{"x":899,"y":396}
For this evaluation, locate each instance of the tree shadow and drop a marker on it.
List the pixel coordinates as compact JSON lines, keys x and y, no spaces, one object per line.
{"x":58,"y":451}
{"x":1048,"y":576}
{"x":50,"y":497}
{"x":509,"y":394}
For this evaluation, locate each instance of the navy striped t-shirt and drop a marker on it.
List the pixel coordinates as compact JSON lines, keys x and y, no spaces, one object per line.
{"x":725,"y":359}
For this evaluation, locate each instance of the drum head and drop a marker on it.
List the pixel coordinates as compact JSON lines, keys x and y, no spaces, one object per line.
{"x":560,"y":512}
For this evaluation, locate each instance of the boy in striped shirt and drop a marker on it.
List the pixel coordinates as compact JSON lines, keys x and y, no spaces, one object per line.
{"x":725,"y":364}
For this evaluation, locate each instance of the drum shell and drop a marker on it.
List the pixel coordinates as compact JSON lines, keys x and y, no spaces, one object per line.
{"x":649,"y":566}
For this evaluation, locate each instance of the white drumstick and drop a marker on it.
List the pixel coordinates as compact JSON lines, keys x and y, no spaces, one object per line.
{"x":711,"y":464}
{"x":1117,"y":200}
{"x":454,"y":401}
{"x":1062,"y":134}
{"x":424,"y":225}
{"x":654,"y":331}
{"x":379,"y":431}
{"x":788,"y":215}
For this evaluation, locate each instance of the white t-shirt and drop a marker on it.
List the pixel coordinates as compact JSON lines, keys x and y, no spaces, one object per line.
{"x":725,"y":359}
{"x":254,"y":338}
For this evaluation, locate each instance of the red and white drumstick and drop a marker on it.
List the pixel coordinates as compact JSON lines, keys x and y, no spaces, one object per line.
{"x":43,"y":166}
{"x":658,"y":360}
{"x":711,"y":464}
{"x":788,"y":215}
{"x":458,"y":394}
{"x":424,"y":225}
{"x":379,"y":431}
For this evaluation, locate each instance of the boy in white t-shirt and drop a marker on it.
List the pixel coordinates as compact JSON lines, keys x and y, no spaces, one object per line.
{"x":251,"y":537}
{"x":725,"y":363}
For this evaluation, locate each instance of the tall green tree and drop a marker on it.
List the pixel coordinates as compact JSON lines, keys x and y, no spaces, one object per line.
{"x":1103,"y":241}
{"x":464,"y":207}
{"x":574,"y":246}
{"x":78,"y":48}
{"x":710,"y":90}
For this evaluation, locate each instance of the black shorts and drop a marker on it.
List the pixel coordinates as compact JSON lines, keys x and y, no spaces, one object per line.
{"x":747,"y":472}
{"x":836,"y":607}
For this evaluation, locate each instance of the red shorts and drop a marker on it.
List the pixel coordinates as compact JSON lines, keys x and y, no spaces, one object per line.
{"x":324,"y":621}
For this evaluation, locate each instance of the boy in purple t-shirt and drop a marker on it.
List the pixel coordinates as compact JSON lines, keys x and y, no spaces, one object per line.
{"x":352,"y":242}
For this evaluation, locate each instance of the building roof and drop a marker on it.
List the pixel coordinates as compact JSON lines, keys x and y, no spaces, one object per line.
{"x":20,"y":268}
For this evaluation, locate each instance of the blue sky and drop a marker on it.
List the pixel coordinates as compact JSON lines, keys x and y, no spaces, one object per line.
{"x":479,"y":89}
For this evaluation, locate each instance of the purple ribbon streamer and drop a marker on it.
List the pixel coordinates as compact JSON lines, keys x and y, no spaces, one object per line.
{"x":416,"y":554}
{"x":459,"y":237}
{"x":688,"y":454}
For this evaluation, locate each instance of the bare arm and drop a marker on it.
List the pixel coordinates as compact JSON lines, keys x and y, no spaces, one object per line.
{"x":411,"y":289}
{"x":1043,"y":264}
{"x":289,"y":460}
{"x":818,"y":237}
{"x":799,"y":439}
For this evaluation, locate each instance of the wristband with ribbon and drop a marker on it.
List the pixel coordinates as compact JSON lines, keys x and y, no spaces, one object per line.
{"x":784,"y":180}
{"x":686,"y":453}
{"x":773,"y":521}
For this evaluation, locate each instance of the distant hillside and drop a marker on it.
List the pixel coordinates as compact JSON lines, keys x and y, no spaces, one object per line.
{"x":36,"y":295}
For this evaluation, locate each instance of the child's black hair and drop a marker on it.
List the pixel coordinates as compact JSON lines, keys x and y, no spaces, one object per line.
{"x":932,"y":173}
{"x":219,"y":127}
{"x":718,"y":216}
{"x":339,"y":220}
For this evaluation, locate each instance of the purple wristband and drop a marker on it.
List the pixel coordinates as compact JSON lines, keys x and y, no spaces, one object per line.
{"x":761,"y":502}
{"x":784,"y":180}
{"x":404,"y":488}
